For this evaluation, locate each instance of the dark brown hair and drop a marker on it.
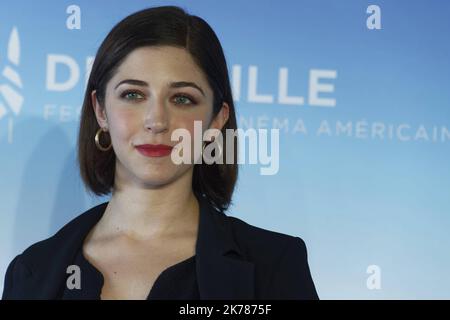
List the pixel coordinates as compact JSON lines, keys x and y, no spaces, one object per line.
{"x":157,"y":26}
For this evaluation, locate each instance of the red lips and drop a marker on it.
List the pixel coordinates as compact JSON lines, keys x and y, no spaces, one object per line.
{"x":154,"y":150}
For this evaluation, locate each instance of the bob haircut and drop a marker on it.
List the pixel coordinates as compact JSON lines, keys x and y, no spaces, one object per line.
{"x":159,"y":26}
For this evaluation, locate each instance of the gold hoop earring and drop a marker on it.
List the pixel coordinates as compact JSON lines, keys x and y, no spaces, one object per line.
{"x":203,"y":149}
{"x":97,"y":141}
{"x":220,"y":148}
{"x":218,"y":145}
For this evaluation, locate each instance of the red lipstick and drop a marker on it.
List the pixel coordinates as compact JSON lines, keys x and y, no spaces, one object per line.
{"x":154,"y":150}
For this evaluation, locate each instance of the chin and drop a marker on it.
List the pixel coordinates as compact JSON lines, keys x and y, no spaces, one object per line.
{"x":160,"y":177}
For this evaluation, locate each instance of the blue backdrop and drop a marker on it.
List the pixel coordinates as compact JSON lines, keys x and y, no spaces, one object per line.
{"x":364,"y":173}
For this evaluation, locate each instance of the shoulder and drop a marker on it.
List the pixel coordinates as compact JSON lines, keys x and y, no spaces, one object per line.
{"x":251,"y":238}
{"x":39,"y":254}
{"x":45,"y":261}
{"x":70,"y":234}
{"x":281,"y":260}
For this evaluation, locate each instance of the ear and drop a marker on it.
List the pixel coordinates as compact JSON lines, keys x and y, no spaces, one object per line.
{"x":100,"y":112}
{"x":221,"y":118}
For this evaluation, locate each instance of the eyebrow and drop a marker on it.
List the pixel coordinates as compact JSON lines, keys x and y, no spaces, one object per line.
{"x":176,"y":84}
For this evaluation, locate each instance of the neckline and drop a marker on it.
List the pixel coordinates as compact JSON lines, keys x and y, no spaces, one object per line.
{"x":101,"y":280}
{"x":99,"y":275}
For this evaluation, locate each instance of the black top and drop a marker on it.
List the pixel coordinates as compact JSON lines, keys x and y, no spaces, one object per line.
{"x":178,"y":281}
{"x":233,"y":260}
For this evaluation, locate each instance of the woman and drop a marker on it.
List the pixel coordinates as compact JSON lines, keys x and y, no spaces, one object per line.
{"x":164,"y":233}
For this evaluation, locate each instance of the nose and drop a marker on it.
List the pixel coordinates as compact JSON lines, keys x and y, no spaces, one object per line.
{"x":156,"y":118}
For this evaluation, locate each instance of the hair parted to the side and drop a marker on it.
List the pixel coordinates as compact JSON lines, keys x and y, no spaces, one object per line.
{"x":157,"y":26}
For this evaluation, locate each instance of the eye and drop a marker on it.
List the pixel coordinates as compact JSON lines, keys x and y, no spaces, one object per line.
{"x":184,"y":99}
{"x":130,"y":95}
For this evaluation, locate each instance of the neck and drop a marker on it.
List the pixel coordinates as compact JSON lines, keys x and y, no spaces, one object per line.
{"x":145,"y":213}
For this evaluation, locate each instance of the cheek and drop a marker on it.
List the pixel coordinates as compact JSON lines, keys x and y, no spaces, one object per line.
{"x":124,"y":124}
{"x":188,"y":123}
{"x":187,"y":120}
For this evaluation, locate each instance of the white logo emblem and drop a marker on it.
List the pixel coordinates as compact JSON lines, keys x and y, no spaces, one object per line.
{"x":9,"y":93}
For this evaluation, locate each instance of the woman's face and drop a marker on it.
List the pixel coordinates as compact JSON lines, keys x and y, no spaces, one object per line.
{"x":148,"y":110}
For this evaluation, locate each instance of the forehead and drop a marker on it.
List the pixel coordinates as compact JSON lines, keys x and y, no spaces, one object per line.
{"x":161,"y":63}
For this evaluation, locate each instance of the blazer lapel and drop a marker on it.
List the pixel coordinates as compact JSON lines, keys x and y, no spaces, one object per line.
{"x":221,"y":271}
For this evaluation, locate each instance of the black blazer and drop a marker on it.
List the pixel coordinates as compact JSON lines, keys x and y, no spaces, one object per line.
{"x":234,"y":260}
